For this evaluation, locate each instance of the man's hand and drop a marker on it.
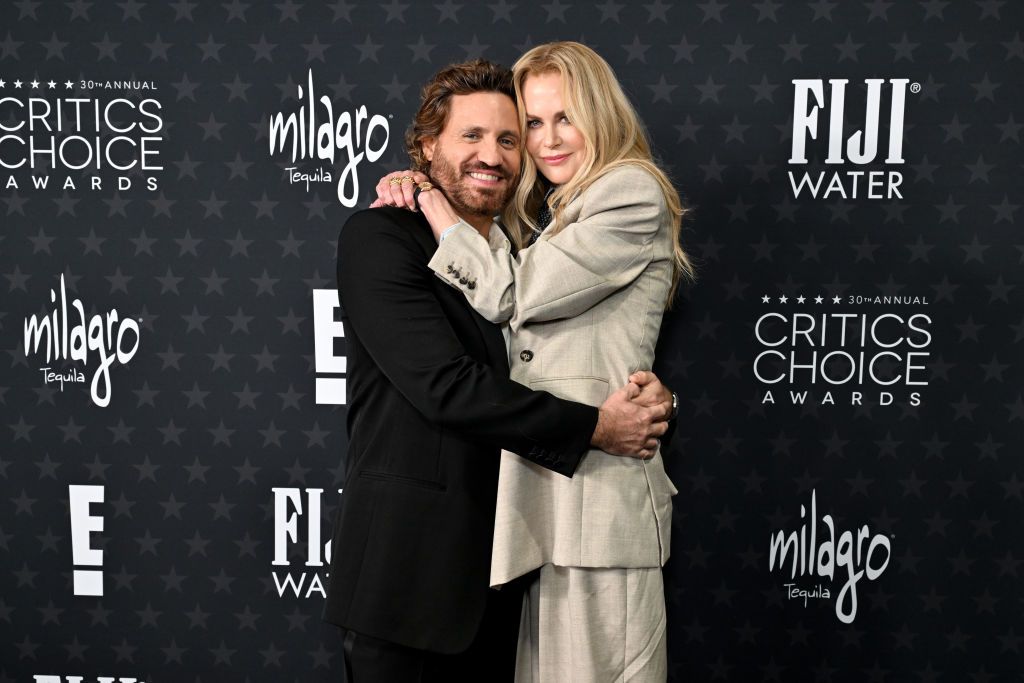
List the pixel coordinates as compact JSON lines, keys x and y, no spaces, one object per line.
{"x":652,"y":391}
{"x":625,"y":427}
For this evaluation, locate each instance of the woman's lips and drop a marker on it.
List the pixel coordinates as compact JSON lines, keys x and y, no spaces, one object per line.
{"x":554,"y":161}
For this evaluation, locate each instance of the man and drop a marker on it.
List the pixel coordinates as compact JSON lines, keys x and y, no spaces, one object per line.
{"x":430,"y":406}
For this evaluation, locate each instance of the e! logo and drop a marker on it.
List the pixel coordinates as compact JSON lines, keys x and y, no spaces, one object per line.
{"x":83,"y":523}
{"x":327,"y":329}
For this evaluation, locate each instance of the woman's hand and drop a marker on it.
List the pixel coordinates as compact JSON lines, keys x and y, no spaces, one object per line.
{"x":395,"y":189}
{"x":437,"y":210}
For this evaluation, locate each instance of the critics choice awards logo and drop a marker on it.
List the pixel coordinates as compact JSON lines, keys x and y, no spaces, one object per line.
{"x":829,"y":357}
{"x":93,"y":342}
{"x":79,"y":135}
{"x":316,"y":133}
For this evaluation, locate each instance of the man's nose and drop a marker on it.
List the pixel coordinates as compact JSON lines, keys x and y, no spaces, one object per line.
{"x":489,"y":153}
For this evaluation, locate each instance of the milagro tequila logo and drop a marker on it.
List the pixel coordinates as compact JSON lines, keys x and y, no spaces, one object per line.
{"x":854,"y":555}
{"x":72,"y":337}
{"x":315,"y":132}
{"x":861,"y":147}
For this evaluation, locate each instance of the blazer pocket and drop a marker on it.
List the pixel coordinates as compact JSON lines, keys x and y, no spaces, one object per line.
{"x":660,"y":481}
{"x":402,"y":479}
{"x":401,"y":456}
{"x":590,"y":390}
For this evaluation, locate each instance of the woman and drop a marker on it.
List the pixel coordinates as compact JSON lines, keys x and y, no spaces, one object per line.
{"x":596,"y":224}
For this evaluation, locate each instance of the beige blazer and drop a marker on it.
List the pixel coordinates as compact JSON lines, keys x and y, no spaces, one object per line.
{"x":584,"y":308}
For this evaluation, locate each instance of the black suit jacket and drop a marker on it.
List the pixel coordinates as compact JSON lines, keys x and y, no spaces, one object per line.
{"x":430,"y":404}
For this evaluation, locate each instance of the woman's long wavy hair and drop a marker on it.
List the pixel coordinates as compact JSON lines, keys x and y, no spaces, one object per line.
{"x":613,"y":135}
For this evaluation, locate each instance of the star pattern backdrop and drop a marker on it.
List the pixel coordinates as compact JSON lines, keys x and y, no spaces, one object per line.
{"x":219,"y":265}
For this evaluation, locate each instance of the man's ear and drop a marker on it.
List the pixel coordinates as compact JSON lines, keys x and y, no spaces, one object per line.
{"x":428,"y":148}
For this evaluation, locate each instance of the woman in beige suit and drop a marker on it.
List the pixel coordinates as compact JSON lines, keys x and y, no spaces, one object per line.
{"x":596,"y":226}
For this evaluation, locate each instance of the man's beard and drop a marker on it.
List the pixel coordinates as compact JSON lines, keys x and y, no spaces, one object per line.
{"x":473,"y":201}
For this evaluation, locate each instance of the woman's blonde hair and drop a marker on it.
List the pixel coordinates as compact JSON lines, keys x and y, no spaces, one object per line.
{"x":614,"y":136}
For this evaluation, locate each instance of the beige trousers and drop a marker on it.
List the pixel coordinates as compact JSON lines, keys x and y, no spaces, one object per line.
{"x":584,"y":625}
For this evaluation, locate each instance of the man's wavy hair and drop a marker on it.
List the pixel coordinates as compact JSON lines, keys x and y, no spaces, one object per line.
{"x":466,"y":78}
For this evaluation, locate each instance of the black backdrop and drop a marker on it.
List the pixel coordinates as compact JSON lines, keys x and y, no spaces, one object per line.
{"x":217,"y":458}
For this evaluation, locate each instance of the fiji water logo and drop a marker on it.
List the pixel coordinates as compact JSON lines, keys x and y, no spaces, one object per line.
{"x":854,"y":555}
{"x":860,"y":148}
{"x":316,"y":132}
{"x":102,"y":338}
{"x":292,"y":506}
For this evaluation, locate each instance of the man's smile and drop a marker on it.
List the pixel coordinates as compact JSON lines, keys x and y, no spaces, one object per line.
{"x":486,"y":177}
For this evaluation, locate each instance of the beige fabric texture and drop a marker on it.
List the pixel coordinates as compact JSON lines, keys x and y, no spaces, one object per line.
{"x":584,"y":307}
{"x":593,"y":626}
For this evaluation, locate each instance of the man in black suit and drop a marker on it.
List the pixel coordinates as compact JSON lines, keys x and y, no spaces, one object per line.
{"x":430,"y":406}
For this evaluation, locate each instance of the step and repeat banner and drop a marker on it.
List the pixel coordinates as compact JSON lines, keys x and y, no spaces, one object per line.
{"x":173,"y":178}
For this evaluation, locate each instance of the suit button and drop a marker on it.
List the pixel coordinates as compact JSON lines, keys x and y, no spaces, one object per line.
{"x":450,"y":268}
{"x":456,"y":274}
{"x":472,"y":284}
{"x":463,"y":281}
{"x":526,"y":356}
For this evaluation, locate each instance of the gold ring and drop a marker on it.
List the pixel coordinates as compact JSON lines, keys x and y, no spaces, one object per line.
{"x":406,"y":179}
{"x":425,"y":186}
{"x":394,"y":181}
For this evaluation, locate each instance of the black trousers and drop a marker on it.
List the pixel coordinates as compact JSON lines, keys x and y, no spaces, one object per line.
{"x":490,"y":657}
